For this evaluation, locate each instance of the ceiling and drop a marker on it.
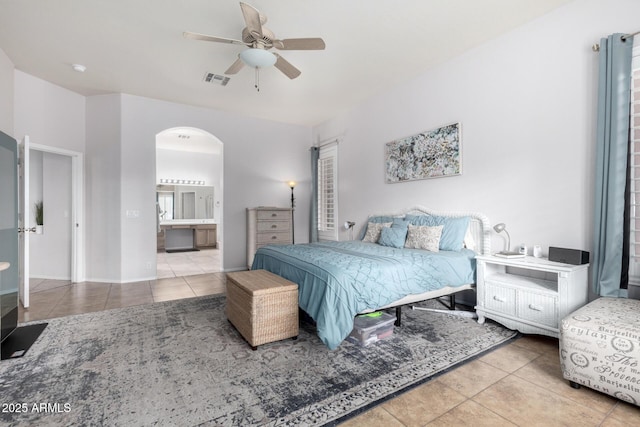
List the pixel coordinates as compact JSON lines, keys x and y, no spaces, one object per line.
{"x":137,"y":47}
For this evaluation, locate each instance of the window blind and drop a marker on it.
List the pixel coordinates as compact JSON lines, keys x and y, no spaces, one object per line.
{"x":328,"y":192}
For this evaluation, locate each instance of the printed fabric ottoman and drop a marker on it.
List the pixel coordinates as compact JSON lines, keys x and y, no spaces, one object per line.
{"x":600,"y":347}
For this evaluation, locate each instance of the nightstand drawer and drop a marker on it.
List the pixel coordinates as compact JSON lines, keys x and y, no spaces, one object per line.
{"x":272,"y":226}
{"x":538,"y":308}
{"x":499,"y":298}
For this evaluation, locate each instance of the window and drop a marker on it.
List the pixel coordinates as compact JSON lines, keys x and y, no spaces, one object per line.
{"x":634,"y":158}
{"x":328,"y":192}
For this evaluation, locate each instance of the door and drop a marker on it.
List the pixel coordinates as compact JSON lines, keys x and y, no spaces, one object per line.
{"x":24,"y":221}
{"x":8,"y":235}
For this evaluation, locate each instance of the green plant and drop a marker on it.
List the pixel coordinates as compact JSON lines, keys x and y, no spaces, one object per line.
{"x":39,"y":213}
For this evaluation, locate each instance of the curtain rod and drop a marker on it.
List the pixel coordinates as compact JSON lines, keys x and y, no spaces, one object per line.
{"x":596,"y":46}
{"x":628,"y":36}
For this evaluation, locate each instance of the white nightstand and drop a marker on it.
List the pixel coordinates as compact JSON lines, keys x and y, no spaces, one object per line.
{"x":529,"y":294}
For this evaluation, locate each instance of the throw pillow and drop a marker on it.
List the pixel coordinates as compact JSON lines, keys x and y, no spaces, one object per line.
{"x":424,"y":237}
{"x":453,"y":232}
{"x":373,"y":231}
{"x":393,"y":236}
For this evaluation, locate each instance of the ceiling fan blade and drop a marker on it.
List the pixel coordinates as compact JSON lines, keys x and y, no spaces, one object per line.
{"x":204,"y":37}
{"x":235,"y":67}
{"x":300,"y":44}
{"x":286,"y":67}
{"x":252,"y":19}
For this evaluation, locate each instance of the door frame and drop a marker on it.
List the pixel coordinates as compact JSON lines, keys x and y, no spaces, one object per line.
{"x":77,"y":211}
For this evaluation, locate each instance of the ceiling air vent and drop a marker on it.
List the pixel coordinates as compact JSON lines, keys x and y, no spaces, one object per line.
{"x":216,"y":78}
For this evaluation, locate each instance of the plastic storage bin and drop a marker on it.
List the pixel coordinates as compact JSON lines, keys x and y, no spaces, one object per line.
{"x":370,"y":328}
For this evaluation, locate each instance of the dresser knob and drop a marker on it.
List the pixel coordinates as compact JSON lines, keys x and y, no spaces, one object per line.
{"x":273,"y":215}
{"x":535,"y":307}
{"x":274,"y":226}
{"x":498,"y":298}
{"x":274,"y":237}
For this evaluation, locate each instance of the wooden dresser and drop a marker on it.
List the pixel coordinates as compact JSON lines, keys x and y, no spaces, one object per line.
{"x":267,"y":226}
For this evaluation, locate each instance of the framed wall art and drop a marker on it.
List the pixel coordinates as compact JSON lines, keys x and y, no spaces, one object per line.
{"x":431,"y":154}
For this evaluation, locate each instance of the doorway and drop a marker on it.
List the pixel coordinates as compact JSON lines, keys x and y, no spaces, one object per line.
{"x":53,"y":218}
{"x":189,"y":190}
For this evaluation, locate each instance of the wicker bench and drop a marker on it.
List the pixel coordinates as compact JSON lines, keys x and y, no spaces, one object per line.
{"x":262,"y":306}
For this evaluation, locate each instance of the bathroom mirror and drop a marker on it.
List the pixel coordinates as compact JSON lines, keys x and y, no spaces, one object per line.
{"x":185,"y":201}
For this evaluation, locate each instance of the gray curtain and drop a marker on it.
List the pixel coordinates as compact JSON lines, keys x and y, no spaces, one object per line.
{"x":313,"y":221}
{"x":610,"y":250}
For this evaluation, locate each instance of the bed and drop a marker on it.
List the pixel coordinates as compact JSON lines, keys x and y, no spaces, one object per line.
{"x":338,"y":280}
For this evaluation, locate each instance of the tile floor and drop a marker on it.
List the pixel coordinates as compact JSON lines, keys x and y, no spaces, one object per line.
{"x":519,"y":384}
{"x":179,"y":264}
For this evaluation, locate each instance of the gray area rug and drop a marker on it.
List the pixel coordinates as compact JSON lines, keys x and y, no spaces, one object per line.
{"x":182,"y":363}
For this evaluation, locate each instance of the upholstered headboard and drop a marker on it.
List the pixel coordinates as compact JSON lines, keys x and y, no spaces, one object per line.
{"x":479,"y":225}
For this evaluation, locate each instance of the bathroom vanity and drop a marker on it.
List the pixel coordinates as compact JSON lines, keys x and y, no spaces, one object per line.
{"x":185,"y":234}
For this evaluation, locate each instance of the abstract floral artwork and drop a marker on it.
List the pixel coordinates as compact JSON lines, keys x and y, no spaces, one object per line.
{"x":431,"y":154}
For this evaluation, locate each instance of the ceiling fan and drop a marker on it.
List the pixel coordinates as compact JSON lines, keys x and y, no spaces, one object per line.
{"x":260,"y":39}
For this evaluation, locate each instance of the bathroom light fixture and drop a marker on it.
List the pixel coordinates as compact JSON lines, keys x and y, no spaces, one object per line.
{"x":181,"y":181}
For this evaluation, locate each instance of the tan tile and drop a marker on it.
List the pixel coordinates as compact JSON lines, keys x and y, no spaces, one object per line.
{"x":172,"y":296}
{"x":626,"y":413}
{"x":509,"y":358}
{"x":202,"y":278}
{"x":470,"y":414}
{"x":166,"y":283}
{"x":471,"y":378}
{"x":374,"y":417}
{"x":538,"y":344}
{"x":545,"y":371}
{"x":423,"y":404}
{"x":133,"y":289}
{"x":174,"y":290}
{"x":524,"y":403}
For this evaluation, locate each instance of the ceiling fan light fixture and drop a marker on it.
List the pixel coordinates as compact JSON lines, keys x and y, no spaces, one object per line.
{"x":258,"y":58}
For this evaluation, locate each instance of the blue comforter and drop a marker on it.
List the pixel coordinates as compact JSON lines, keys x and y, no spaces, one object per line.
{"x":337,"y":280}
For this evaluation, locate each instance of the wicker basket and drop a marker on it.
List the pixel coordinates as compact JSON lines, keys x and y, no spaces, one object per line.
{"x":262,"y":306}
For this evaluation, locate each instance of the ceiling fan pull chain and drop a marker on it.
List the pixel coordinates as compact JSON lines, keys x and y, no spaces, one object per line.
{"x":257,"y":79}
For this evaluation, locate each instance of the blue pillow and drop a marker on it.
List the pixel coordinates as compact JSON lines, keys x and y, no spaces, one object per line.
{"x":453,"y":230}
{"x":393,"y":236}
{"x":383,"y":218}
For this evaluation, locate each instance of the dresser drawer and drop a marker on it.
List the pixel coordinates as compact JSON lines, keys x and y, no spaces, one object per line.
{"x":273,"y":226}
{"x":538,"y":308}
{"x":274,"y":215}
{"x":499,"y":298}
{"x":275,"y":237}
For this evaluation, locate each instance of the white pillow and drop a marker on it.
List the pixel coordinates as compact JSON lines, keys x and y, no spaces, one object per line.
{"x":424,"y":237}
{"x":469,"y":243}
{"x":373,"y":231}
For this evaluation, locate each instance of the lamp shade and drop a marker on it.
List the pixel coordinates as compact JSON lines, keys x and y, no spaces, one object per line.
{"x":499,"y":228}
{"x":257,"y":58}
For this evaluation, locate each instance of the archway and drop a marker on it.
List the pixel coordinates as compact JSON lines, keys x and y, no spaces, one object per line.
{"x":189,"y":194}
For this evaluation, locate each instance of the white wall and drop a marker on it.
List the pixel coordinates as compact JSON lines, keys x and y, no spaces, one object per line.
{"x":6,"y":94}
{"x":526,"y":102}
{"x":50,"y":252}
{"x":103,"y":188}
{"x":49,"y":114}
